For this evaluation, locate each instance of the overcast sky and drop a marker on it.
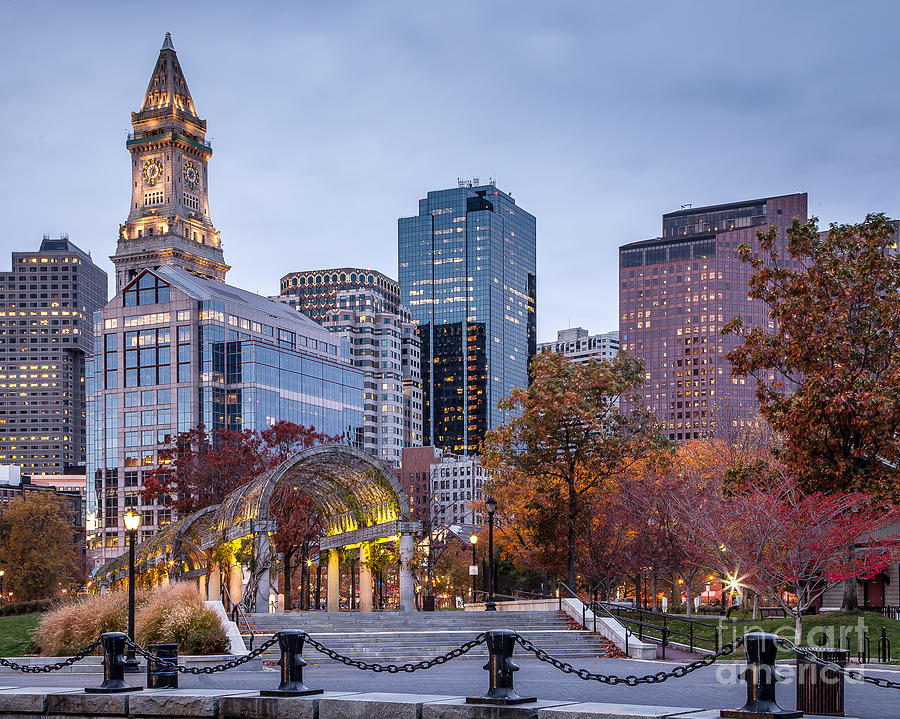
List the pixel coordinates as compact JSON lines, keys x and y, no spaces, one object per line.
{"x":331,"y":119}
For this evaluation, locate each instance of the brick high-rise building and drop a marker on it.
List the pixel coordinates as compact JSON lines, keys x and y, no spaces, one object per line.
{"x":47,"y":302}
{"x":675,"y":294}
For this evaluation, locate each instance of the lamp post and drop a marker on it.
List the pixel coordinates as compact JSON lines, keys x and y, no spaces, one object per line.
{"x":2,"y":572}
{"x":473,"y":538}
{"x":132,"y":521}
{"x":491,"y":505}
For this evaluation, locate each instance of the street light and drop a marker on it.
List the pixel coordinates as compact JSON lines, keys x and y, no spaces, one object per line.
{"x":473,"y":538}
{"x":132,"y":521}
{"x":491,"y":504}
{"x":2,"y":572}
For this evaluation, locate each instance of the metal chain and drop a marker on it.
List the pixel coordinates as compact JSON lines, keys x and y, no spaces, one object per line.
{"x":631,"y":680}
{"x":395,"y":668}
{"x":853,"y":674}
{"x":46,"y":668}
{"x":138,"y":649}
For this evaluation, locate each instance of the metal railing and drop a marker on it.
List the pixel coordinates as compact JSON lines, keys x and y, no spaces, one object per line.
{"x":889,"y":610}
{"x":237,"y":612}
{"x":665,"y":630}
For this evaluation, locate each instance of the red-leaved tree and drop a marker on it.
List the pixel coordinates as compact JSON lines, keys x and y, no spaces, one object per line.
{"x":775,"y":538}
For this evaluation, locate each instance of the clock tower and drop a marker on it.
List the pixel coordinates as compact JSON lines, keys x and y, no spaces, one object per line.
{"x":168,"y":222}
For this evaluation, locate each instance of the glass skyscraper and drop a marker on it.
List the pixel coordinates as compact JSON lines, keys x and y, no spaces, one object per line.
{"x":467,"y":273}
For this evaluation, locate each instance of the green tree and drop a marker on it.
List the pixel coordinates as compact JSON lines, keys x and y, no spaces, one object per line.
{"x":568,"y":438}
{"x":828,"y":375}
{"x":36,"y":544}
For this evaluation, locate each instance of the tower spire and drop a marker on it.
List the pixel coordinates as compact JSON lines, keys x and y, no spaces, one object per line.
{"x":168,"y":90}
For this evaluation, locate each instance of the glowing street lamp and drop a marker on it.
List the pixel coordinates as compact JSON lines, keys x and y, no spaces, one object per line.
{"x":131,"y":520}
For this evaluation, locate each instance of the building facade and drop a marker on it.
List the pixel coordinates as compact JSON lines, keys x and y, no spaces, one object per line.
{"x":173,"y":351}
{"x":362,"y":306}
{"x":47,"y":302}
{"x":415,"y":477}
{"x":168,"y":221}
{"x":386,"y":347}
{"x":468,"y":274}
{"x":316,"y":292}
{"x":675,"y":294}
{"x":456,"y":488}
{"x":578,"y":345}
{"x":176,"y":347}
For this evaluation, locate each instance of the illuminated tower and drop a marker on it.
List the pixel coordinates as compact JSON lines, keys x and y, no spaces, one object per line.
{"x":169,"y":219}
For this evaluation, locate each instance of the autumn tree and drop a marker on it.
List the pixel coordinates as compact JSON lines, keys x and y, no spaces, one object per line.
{"x":568,"y":436}
{"x":204,"y":469}
{"x":36,"y":545}
{"x":833,"y":355}
{"x":775,"y":537}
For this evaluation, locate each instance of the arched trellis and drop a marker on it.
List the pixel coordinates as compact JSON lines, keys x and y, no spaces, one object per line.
{"x":359,"y":495}
{"x":174,"y":552}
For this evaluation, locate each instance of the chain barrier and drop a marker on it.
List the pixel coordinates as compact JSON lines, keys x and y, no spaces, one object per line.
{"x":395,"y":668}
{"x":852,"y":673}
{"x":149,"y":656}
{"x":46,"y":668}
{"x":631,"y":680}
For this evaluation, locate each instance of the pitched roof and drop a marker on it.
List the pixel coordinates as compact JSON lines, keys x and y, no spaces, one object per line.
{"x":167,"y":87}
{"x":202,"y":289}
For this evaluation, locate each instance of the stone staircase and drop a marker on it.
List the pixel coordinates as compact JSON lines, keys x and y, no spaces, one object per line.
{"x":413,"y":636}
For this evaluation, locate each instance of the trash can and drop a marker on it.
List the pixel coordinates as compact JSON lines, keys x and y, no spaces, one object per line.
{"x":820,"y":690}
{"x":428,"y":603}
{"x":160,"y":676}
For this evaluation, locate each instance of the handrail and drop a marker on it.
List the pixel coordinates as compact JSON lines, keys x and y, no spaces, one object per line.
{"x":665,"y":615}
{"x":665,"y":630}
{"x":238,"y":610}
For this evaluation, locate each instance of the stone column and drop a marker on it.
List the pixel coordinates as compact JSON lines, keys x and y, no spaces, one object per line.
{"x":214,"y":584}
{"x":261,"y":551}
{"x":407,"y":594}
{"x":201,"y":585}
{"x":334,"y":581}
{"x":365,"y":577}
{"x":235,"y":577}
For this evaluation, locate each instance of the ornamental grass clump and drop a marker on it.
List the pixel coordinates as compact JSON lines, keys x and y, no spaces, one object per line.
{"x":74,"y":625}
{"x":176,"y":614}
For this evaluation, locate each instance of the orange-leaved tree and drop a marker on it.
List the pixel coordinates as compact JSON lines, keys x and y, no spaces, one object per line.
{"x":568,"y":436}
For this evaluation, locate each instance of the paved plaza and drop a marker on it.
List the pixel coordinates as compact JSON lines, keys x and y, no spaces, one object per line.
{"x":702,"y":689}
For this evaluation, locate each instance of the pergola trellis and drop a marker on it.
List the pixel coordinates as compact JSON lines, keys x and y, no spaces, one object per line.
{"x":174,"y":551}
{"x":360,"y":497}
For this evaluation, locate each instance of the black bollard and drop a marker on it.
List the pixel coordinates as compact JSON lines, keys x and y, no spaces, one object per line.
{"x":290,"y":641}
{"x":161,"y":676}
{"x":500,"y":666}
{"x":113,"y":644}
{"x":760,"y":676}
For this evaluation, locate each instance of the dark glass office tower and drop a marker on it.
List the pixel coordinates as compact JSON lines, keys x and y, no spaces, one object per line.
{"x":467,"y":273}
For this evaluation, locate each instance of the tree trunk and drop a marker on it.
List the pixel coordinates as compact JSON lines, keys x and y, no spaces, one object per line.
{"x":654,"y":603}
{"x":849,"y":602}
{"x":689,"y":600}
{"x":755,"y":606}
{"x":798,"y":627}
{"x":573,"y":515}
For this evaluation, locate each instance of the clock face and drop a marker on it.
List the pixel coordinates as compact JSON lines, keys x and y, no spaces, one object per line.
{"x":153,"y":171}
{"x":191,"y":174}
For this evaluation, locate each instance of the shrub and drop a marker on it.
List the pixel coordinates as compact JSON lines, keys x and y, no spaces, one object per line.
{"x":35,"y":605}
{"x":172,"y":614}
{"x":75,"y":624}
{"x":176,"y":614}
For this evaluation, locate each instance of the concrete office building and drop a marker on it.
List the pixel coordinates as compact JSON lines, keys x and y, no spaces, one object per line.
{"x":47,"y":301}
{"x":578,"y":345}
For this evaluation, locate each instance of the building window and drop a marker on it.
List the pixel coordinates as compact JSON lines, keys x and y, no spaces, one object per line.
{"x":148,"y":290}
